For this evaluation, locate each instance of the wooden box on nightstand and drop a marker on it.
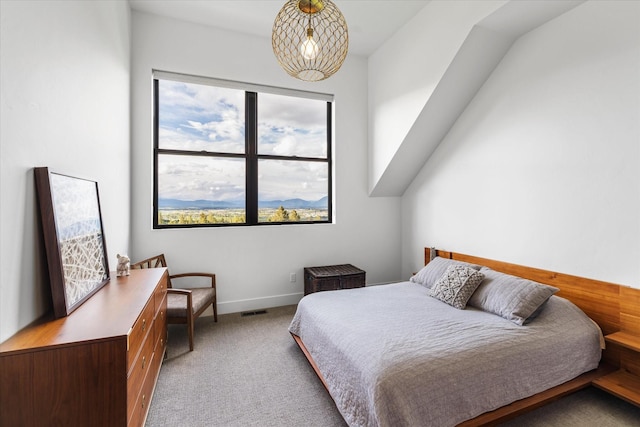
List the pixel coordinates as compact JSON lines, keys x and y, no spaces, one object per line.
{"x":332,"y":277}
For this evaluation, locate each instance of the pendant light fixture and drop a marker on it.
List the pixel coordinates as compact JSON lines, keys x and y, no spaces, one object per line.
{"x":310,"y":39}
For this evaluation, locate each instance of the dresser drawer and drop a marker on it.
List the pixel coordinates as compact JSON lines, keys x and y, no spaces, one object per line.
{"x":160,"y":293}
{"x":160,"y":325}
{"x":141,"y":400}
{"x":141,"y":405}
{"x":140,"y":329}
{"x":139,"y":370}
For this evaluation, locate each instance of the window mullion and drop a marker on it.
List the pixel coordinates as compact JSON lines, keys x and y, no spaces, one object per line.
{"x":293,"y":158}
{"x":251,"y":143}
{"x":330,"y":161}
{"x":173,"y":152}
{"x":156,"y":145}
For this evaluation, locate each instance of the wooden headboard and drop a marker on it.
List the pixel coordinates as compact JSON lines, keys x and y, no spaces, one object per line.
{"x":613,"y":307}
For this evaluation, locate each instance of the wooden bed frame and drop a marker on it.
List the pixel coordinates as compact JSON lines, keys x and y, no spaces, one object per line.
{"x":613,"y":307}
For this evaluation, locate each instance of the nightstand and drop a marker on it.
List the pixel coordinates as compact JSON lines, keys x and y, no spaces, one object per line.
{"x":332,"y":277}
{"x":624,"y":383}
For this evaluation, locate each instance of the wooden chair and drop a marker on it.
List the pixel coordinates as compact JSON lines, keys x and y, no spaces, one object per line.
{"x":187,"y":304}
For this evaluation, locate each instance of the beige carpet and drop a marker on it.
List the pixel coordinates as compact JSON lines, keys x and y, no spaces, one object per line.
{"x":247,"y":371}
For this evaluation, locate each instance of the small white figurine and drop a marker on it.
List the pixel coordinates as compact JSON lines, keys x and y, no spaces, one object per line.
{"x":123,"y":265}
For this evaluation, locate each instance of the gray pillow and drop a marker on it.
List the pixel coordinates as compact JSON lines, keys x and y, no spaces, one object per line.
{"x":511,"y":297}
{"x":431,"y":272}
{"x":457,"y":285}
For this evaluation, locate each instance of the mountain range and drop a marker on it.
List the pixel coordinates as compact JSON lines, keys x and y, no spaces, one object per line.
{"x":234,"y":204}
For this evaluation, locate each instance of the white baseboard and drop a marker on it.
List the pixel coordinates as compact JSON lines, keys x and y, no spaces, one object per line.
{"x":238,"y":306}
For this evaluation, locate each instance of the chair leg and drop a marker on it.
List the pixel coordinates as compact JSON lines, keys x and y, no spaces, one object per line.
{"x":190,"y":328}
{"x":215,"y":310}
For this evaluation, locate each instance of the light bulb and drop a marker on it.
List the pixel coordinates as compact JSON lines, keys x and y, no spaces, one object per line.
{"x":309,"y":48}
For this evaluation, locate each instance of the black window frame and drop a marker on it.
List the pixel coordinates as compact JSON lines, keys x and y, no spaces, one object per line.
{"x":250,"y":155}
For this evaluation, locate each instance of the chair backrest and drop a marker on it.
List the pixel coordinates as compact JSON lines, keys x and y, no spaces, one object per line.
{"x":153,"y":262}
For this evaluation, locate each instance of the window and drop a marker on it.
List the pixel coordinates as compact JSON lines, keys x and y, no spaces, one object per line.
{"x":232,"y":154}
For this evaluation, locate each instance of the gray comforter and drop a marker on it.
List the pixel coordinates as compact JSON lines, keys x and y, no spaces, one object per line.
{"x":393,"y":356}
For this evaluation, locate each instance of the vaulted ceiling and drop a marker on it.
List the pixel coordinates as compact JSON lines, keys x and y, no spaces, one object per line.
{"x":485,"y":45}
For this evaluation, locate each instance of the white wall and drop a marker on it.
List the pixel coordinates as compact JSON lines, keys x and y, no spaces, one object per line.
{"x":405,"y":70}
{"x":543,"y":167}
{"x":252,"y":264}
{"x":64,"y":90}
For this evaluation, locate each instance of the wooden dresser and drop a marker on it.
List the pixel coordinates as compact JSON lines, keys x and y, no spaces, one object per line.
{"x":96,"y":367}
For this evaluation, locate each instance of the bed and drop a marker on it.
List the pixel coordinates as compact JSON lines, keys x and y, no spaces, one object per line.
{"x":396,"y":355}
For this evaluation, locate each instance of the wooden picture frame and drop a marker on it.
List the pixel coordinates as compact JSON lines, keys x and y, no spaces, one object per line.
{"x":73,"y":237}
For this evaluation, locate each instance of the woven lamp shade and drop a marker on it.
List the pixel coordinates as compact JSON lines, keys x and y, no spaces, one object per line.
{"x":296,"y":22}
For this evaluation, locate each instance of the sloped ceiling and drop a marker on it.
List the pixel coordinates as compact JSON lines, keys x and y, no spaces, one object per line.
{"x":483,"y":49}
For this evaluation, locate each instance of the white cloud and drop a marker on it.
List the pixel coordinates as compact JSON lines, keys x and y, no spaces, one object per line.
{"x":194,"y":178}
{"x":208,"y":118}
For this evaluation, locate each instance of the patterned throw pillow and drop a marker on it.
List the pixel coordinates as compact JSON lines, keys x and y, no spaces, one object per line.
{"x":456,"y":285}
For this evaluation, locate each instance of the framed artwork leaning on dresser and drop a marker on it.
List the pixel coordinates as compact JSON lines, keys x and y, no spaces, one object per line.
{"x":73,"y":237}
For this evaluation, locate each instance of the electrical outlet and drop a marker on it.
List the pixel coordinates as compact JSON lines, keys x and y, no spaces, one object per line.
{"x":292,"y":277}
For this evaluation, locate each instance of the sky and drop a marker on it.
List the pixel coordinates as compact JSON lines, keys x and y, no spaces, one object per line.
{"x":75,"y":202}
{"x":198,"y":117}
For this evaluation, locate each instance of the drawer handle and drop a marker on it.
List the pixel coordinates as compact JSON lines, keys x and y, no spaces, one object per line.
{"x":144,"y":359}
{"x":143,"y":400}
{"x":144,"y":324}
